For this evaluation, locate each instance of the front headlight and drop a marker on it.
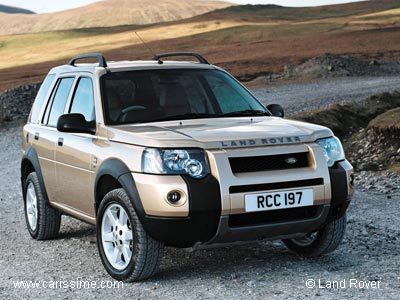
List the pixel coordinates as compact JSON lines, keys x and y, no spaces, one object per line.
{"x":333,"y":150}
{"x":176,"y":161}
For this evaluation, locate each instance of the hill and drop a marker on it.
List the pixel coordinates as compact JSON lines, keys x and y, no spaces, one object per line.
{"x":14,"y":10}
{"x":263,"y":13}
{"x":108,"y":13}
{"x":246,"y":41}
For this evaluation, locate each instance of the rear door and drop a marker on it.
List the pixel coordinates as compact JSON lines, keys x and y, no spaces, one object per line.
{"x":74,"y":156}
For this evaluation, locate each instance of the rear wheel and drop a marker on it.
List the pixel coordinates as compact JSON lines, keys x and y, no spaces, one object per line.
{"x":127,"y":252}
{"x":43,"y":221}
{"x":320,"y":242}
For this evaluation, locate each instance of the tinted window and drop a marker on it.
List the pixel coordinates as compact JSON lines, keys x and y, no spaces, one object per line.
{"x":60,"y":100}
{"x":157,"y":95}
{"x":41,"y":97}
{"x":83,"y":101}
{"x":230,"y":98}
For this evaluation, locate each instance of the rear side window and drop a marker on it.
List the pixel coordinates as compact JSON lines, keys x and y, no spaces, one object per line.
{"x":59,"y":100}
{"x":41,"y":97}
{"x":83,"y":101}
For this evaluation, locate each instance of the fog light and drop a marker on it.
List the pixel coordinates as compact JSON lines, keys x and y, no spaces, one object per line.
{"x":173,"y":197}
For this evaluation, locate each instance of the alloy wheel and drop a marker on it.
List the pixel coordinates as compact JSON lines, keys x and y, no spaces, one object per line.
{"x":117,"y":237}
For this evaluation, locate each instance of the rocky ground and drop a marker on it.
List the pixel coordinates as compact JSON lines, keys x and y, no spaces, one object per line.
{"x":334,"y":66}
{"x":16,"y":103}
{"x":370,"y":151}
{"x":370,"y":252}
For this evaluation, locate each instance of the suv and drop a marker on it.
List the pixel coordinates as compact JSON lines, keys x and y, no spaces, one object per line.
{"x":180,"y":154}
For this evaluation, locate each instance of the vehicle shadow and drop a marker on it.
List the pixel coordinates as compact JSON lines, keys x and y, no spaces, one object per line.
{"x":79,"y":233}
{"x":71,"y":228}
{"x":266,"y":259}
{"x":227,"y":263}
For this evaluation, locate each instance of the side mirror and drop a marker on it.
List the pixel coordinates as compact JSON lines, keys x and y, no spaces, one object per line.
{"x":276,"y":110}
{"x":75,"y":123}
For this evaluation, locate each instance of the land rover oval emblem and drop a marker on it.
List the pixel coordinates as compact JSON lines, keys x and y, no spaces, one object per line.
{"x":291,"y":160}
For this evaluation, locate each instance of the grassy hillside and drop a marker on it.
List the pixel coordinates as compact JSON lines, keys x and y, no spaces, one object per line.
{"x":247,"y":46}
{"x":262,"y":13}
{"x":47,"y":46}
{"x":14,"y":10}
{"x":391,"y":15}
{"x":109,"y":13}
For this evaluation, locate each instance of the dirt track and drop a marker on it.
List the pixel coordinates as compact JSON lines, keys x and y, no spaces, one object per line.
{"x":297,"y":97}
{"x":370,"y":251}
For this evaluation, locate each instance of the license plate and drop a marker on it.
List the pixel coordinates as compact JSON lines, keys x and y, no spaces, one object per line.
{"x":279,"y":200}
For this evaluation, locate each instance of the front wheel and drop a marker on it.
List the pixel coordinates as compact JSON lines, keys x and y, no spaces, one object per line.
{"x":320,"y":242}
{"x":127,"y":252}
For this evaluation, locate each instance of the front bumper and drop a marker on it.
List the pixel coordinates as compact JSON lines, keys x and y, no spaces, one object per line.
{"x":228,"y":234}
{"x":214,"y":212}
{"x":287,"y":223}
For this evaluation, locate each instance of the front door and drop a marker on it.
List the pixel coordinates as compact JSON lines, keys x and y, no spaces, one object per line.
{"x":74,"y":156}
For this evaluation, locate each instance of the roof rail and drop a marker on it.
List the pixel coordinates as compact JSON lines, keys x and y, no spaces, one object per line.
{"x":100,"y":57}
{"x":163,"y":55}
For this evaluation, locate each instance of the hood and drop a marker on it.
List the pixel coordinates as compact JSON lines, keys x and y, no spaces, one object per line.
{"x":218,"y":133}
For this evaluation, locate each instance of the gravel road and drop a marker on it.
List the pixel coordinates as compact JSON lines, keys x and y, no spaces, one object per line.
{"x":370,"y":250}
{"x":296,"y":97}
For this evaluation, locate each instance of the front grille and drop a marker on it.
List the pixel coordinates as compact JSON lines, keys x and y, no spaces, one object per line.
{"x":273,"y":216}
{"x":269,"y":162}
{"x":275,"y":185}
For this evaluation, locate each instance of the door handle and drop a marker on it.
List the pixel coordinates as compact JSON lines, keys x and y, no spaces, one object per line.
{"x":36,"y":136}
{"x":60,"y":141}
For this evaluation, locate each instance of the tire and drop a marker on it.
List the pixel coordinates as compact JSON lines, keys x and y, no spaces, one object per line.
{"x":127,"y":252}
{"x":324,"y":241}
{"x":43,"y":221}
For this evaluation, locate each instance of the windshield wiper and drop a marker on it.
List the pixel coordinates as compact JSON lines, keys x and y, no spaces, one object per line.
{"x":185,"y":117}
{"x":189,"y":116}
{"x":245,"y":113}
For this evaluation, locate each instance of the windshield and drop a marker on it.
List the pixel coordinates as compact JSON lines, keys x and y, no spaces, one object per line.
{"x":160,"y":95}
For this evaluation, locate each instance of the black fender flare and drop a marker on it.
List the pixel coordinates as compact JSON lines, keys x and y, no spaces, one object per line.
{"x":31,"y":156}
{"x":204,"y":207}
{"x":118,"y":170}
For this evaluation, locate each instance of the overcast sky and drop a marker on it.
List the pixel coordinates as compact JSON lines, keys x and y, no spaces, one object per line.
{"x":43,"y":6}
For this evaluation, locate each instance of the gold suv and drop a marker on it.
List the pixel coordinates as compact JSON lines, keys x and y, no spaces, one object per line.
{"x":180,"y":154}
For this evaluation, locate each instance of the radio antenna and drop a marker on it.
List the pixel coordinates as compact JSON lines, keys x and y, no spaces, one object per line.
{"x":155,"y":57}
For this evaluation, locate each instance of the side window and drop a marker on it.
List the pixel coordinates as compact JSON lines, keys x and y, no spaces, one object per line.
{"x":41,"y":97}
{"x":59,"y":101}
{"x":83,"y":100}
